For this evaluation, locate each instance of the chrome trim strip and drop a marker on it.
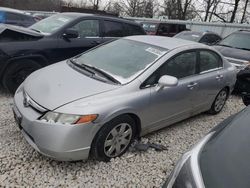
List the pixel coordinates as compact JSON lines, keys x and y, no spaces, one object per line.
{"x":211,"y":70}
{"x":28,"y":101}
{"x":239,"y":60}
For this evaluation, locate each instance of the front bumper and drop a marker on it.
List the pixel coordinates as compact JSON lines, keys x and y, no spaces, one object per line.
{"x":58,"y":141}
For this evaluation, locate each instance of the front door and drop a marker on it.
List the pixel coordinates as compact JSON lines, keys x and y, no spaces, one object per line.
{"x":172,"y":104}
{"x":89,"y":37}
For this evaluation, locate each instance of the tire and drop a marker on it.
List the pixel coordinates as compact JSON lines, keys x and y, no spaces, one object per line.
{"x":117,"y":133}
{"x":17,"y":72}
{"x":219,"y":101}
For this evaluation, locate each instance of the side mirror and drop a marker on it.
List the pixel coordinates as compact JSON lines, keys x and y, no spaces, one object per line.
{"x":70,"y":33}
{"x":246,"y":98}
{"x":167,"y":81}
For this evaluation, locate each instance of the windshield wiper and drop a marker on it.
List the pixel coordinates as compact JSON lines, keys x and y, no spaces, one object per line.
{"x":111,"y":78}
{"x":82,"y":66}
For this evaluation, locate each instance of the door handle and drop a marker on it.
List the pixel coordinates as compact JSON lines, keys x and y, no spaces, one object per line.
{"x":192,"y":85}
{"x":218,"y":77}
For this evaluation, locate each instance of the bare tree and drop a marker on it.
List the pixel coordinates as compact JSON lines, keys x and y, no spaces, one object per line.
{"x":113,"y":7}
{"x":95,"y":4}
{"x":133,"y":8}
{"x":178,"y":9}
{"x":236,"y":4}
{"x":244,"y":12}
{"x":45,"y":5}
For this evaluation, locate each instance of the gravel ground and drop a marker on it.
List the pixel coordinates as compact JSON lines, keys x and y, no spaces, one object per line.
{"x":20,"y":165}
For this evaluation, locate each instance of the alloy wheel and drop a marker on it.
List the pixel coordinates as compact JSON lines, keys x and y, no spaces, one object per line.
{"x":220,"y":101}
{"x":118,"y":139}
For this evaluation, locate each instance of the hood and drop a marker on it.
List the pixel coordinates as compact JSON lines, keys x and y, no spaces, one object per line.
{"x":15,"y":33}
{"x":60,"y":84}
{"x":234,"y":53}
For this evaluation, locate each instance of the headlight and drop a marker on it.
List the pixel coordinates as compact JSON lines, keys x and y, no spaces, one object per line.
{"x":187,"y":172}
{"x":70,"y":119}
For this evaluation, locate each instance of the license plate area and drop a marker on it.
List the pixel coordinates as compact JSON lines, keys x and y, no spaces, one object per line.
{"x":17,"y":116}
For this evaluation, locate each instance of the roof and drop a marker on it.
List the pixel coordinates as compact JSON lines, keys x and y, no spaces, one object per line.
{"x":164,"y":42}
{"x":76,"y":14}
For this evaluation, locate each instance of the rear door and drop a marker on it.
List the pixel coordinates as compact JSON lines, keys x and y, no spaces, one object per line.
{"x":89,"y":37}
{"x":211,"y":78}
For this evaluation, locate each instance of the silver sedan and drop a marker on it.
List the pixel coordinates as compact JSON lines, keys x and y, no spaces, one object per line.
{"x":97,"y":103}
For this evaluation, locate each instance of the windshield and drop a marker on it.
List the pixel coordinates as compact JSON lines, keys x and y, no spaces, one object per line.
{"x":149,"y":27}
{"x":122,"y":59}
{"x":237,"y":40}
{"x":51,"y":24}
{"x":193,"y":36}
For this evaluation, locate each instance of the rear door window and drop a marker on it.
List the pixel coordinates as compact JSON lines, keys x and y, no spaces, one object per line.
{"x":133,"y":30}
{"x":209,"y":61}
{"x":113,"y":29}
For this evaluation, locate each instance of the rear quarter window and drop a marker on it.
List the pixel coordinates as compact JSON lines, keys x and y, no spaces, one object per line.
{"x":133,"y":30}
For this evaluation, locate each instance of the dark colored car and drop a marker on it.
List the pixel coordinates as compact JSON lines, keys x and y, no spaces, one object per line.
{"x":236,"y":48}
{"x":15,"y":17}
{"x":163,"y":29}
{"x":208,"y":37}
{"x":220,"y":159}
{"x":56,"y":38}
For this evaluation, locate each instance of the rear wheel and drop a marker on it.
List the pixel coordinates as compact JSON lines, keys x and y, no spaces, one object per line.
{"x":16,"y":73}
{"x":114,"y":138}
{"x":219,"y":102}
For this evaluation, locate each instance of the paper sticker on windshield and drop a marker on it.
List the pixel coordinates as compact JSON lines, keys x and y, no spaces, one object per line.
{"x":63,"y":19}
{"x":195,"y":36}
{"x":155,"y":51}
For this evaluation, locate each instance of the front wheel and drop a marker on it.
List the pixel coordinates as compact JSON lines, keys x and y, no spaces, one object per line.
{"x":114,"y":138}
{"x":16,"y":73}
{"x":219,"y":102}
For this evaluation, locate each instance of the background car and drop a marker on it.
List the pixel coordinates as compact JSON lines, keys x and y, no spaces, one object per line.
{"x":236,"y":49}
{"x":54,"y":39}
{"x":162,"y":29}
{"x":209,"y":38}
{"x":98,"y":102}
{"x":16,"y":17}
{"x":220,"y":159}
